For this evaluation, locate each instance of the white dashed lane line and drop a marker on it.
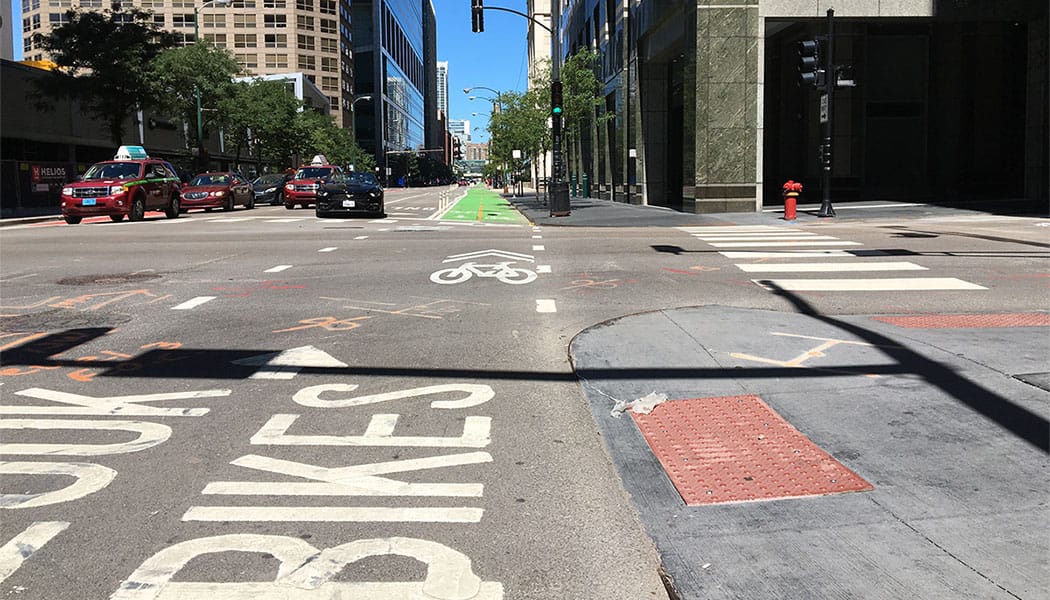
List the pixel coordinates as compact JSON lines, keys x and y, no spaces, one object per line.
{"x":543,"y":268}
{"x":361,"y":237}
{"x":332,"y":249}
{"x":194,"y":303}
{"x":538,"y":248}
{"x":544,"y":305}
{"x":278,"y":269}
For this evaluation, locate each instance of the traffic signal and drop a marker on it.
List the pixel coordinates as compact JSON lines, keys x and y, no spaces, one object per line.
{"x":477,"y":15}
{"x":809,"y":72}
{"x":556,"y":98}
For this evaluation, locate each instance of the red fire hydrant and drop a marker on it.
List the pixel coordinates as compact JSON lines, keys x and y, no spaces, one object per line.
{"x":791,"y":192}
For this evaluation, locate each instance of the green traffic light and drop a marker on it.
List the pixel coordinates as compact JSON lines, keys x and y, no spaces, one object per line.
{"x":557,"y":110}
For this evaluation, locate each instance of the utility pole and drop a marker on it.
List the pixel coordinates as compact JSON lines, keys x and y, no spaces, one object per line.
{"x":827,"y":100}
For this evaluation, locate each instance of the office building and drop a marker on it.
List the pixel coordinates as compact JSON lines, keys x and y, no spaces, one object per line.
{"x":941,"y":101}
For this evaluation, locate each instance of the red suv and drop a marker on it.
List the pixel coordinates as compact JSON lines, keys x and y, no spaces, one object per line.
{"x":302,"y":189}
{"x":130,"y":184}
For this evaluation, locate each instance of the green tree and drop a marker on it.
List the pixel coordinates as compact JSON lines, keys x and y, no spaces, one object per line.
{"x":103,"y":61}
{"x":264,"y":114}
{"x":179,"y":74}
{"x":318,"y":134}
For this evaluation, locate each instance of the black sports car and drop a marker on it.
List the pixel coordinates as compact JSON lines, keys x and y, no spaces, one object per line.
{"x":269,"y":189}
{"x":349,"y":193}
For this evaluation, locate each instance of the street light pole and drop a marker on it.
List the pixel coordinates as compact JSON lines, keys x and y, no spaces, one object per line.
{"x":196,"y":88}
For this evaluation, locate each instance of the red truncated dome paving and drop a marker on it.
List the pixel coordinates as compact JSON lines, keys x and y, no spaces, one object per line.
{"x":737,"y":449}
{"x":969,"y":321}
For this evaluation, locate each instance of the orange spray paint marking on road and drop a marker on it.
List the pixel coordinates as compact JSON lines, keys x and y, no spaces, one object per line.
{"x":326,"y":323}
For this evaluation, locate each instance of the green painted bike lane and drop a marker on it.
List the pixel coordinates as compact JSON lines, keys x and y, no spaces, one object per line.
{"x":481,"y":205}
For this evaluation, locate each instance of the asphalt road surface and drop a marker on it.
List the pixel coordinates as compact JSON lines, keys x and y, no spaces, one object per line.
{"x":263,"y":404}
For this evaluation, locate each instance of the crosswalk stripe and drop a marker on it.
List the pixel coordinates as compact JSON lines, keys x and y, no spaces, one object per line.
{"x":868,"y":285}
{"x":788,"y":254}
{"x":733,"y":228}
{"x":829,"y":267}
{"x":772,"y":244}
{"x":767,"y":238}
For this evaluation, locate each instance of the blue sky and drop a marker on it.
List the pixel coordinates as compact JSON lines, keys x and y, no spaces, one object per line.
{"x":496,"y":58}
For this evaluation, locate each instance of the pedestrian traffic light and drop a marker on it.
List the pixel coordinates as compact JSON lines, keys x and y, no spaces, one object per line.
{"x":556,"y":98}
{"x":477,"y":15}
{"x":809,"y":72}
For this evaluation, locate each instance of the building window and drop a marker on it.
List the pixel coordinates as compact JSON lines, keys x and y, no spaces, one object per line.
{"x":27,"y":25}
{"x":327,"y":7}
{"x":151,"y":3}
{"x":329,"y":46}
{"x":158,"y":20}
{"x":307,"y":63}
{"x":329,"y":26}
{"x":276,"y":40}
{"x":182,"y":3}
{"x":307,"y":5}
{"x":275,"y":21}
{"x":27,"y":44}
{"x":274,"y":4}
{"x":185,"y":20}
{"x":333,"y":101}
{"x":330,"y":84}
{"x":276,"y":61}
{"x":305,"y":22}
{"x":60,"y":4}
{"x":213,"y":21}
{"x":83,"y":3}
{"x":244,"y":40}
{"x":31,"y":5}
{"x":217,"y":39}
{"x":243,"y":21}
{"x":247,"y":61}
{"x":243,"y":4}
{"x":305,"y":42}
{"x":329,"y":64}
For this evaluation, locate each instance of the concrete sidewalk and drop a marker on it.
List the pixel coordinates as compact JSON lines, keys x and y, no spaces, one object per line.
{"x":949,"y":434}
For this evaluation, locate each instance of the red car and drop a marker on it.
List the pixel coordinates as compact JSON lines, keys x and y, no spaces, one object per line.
{"x":130,"y":184}
{"x":302,"y":189}
{"x":219,"y":189}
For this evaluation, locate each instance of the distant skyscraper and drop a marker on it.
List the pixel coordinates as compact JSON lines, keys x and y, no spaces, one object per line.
{"x":460,"y":128}
{"x":442,"y":86}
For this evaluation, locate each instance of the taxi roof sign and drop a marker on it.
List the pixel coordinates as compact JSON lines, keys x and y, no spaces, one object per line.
{"x":131,"y":153}
{"x":319,"y":159}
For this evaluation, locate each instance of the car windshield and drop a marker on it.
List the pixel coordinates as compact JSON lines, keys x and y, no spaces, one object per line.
{"x":313,"y":173}
{"x":211,"y":179}
{"x":115,"y":170}
{"x":272,"y":179}
{"x":362,"y":179}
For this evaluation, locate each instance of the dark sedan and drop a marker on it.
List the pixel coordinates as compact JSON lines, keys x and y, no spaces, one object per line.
{"x":269,"y":189}
{"x":224,"y":190}
{"x":349,"y":193}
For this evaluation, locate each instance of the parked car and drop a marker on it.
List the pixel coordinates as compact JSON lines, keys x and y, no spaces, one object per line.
{"x":349,"y":193}
{"x":218,"y":189}
{"x":269,"y":189}
{"x":130,"y":184}
{"x":302,"y":189}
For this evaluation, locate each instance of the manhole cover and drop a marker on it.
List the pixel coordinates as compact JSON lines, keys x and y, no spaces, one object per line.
{"x":110,"y":279}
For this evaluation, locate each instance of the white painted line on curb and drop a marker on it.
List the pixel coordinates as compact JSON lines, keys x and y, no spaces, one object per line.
{"x":546,"y":306}
{"x":187,"y":305}
{"x":278,"y":269}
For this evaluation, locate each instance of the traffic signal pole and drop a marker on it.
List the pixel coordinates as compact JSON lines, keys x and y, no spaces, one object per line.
{"x":559,"y":187}
{"x":827,"y":106}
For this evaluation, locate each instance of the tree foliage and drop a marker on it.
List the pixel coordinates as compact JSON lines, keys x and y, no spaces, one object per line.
{"x":318,"y":134}
{"x":104,"y":61}
{"x":179,"y":73}
{"x":261,"y":115}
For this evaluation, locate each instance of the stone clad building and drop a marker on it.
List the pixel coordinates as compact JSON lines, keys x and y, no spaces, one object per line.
{"x":950,"y":103}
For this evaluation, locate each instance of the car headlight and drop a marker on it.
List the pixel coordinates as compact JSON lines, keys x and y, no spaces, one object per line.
{"x":374,"y":194}
{"x":67,"y":191}
{"x":115,"y":189}
{"x":322,"y":192}
{"x":219,"y":194}
{"x":268,"y":190}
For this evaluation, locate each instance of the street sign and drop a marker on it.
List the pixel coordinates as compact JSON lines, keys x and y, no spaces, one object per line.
{"x":823,"y":108}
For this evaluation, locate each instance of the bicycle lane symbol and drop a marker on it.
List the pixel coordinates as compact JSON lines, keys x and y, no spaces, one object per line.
{"x":502,"y":271}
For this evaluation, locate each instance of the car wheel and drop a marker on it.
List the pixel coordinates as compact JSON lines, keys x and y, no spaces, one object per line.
{"x":319,"y":214}
{"x":278,"y":198}
{"x":289,"y":206}
{"x":172,"y":211}
{"x":114,"y":218}
{"x":251,"y":202}
{"x":227,"y":204}
{"x":138,"y":209}
{"x":73,"y":220}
